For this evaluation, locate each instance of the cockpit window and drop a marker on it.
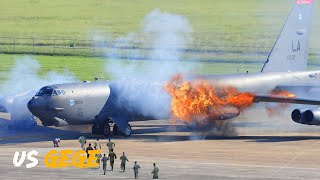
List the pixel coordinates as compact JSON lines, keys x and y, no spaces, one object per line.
{"x":58,"y":92}
{"x":54,"y":93}
{"x":45,"y":91}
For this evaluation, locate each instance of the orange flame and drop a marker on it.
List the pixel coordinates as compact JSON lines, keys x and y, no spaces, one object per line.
{"x":200,"y":101}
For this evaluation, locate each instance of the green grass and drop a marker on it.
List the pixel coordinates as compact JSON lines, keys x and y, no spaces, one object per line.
{"x":215,"y":21}
{"x":85,"y":68}
{"x":243,"y":22}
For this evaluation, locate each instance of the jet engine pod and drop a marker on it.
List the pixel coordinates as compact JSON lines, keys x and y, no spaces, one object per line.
{"x":312,"y":117}
{"x":297,"y":116}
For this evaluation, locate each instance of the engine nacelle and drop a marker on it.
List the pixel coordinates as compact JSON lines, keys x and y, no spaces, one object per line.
{"x":297,"y":116}
{"x":312,"y":117}
{"x":304,"y":116}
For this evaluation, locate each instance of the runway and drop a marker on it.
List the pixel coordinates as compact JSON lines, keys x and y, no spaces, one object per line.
{"x":252,"y":150}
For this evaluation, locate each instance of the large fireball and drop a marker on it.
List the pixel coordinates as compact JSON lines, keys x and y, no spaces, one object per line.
{"x":201,"y":101}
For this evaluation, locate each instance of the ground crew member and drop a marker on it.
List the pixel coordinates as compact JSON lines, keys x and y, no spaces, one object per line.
{"x":110,"y":145}
{"x":155,"y":171}
{"x":136,"y":168}
{"x":123,"y":159}
{"x":56,"y":142}
{"x":89,"y":148}
{"x":98,"y":156}
{"x":112,"y":156}
{"x":104,"y":161}
{"x":82,"y":141}
{"x":97,"y":144}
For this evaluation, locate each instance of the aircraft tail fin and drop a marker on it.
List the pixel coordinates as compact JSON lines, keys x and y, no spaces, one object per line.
{"x":290,"y":51}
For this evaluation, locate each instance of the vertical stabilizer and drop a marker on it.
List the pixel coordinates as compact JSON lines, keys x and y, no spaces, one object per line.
{"x":290,"y":51}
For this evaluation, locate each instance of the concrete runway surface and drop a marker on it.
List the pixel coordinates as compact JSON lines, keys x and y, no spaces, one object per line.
{"x":266,"y":148}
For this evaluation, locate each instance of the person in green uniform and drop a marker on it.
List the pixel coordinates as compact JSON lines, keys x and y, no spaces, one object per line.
{"x":155,"y":171}
{"x":136,"y":168}
{"x":123,"y":159}
{"x":112,"y":156}
{"x":98,"y":156}
{"x":82,"y":141}
{"x":111,"y":145}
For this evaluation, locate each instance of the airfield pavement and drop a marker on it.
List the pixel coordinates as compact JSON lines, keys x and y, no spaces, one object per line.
{"x":259,"y":149}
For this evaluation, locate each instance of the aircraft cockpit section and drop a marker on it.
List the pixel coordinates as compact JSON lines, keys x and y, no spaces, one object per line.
{"x":49,"y":91}
{"x":45,"y":91}
{"x":58,"y":92}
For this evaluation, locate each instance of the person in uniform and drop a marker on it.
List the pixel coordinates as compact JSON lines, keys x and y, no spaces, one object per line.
{"x":56,"y":142}
{"x":155,"y":171}
{"x":136,"y":168}
{"x":89,"y":148}
{"x":104,"y":161}
{"x":123,"y":159}
{"x":110,"y":145}
{"x":112,"y":156}
{"x":82,"y":141}
{"x":97,"y":145}
{"x":98,"y":156}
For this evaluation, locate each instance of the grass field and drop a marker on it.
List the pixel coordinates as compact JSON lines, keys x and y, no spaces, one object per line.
{"x":89,"y":68}
{"x":245,"y":22}
{"x":224,"y":21}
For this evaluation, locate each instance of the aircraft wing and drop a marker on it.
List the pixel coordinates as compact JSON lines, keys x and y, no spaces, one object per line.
{"x":281,"y":99}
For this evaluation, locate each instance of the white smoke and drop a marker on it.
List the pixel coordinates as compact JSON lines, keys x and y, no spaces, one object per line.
{"x":140,"y":84}
{"x":23,"y":83}
{"x":166,"y":35}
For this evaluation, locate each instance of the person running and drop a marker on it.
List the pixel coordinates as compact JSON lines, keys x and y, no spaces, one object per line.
{"x":82,"y":141}
{"x":123,"y":159}
{"x":104,"y":161}
{"x":155,"y":171}
{"x":112,"y":156}
{"x":136,"y":168}
{"x":111,"y":145}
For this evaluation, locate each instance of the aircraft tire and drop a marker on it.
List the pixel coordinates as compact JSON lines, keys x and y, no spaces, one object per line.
{"x":115,"y":130}
{"x":106,"y":129}
{"x":94,"y":129}
{"x":128,"y":131}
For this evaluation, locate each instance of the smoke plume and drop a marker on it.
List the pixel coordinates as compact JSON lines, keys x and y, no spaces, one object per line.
{"x":23,"y":83}
{"x":140,"y":85}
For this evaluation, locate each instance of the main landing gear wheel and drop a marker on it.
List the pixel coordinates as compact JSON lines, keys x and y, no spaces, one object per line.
{"x":127,"y":131}
{"x":95,"y":130}
{"x":116,"y":131}
{"x":106,"y":129}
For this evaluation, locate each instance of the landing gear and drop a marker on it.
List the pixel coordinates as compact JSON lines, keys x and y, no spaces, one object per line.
{"x":106,"y":129}
{"x":117,"y":131}
{"x":127,"y":131}
{"x":95,"y":129}
{"x":101,"y":129}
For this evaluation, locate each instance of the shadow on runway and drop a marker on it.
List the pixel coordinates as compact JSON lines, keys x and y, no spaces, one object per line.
{"x":259,"y":139}
{"x":147,"y":133}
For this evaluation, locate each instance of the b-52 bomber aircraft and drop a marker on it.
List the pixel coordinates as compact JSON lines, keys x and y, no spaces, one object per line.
{"x":99,"y":103}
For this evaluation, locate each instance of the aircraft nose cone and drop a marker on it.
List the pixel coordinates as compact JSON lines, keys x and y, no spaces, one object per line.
{"x":31,"y":105}
{"x":35,"y":106}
